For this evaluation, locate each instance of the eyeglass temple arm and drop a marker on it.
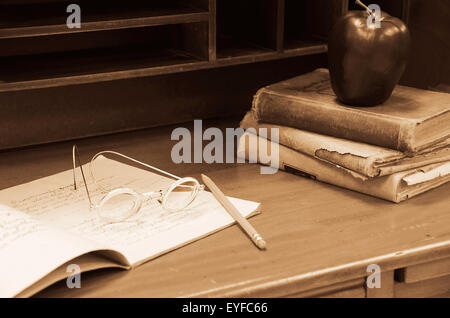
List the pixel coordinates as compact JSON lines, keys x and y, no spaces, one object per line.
{"x":76,"y":156}
{"x":136,"y":161}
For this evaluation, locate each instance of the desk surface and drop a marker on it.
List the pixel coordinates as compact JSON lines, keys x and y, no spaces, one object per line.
{"x":317,"y":234}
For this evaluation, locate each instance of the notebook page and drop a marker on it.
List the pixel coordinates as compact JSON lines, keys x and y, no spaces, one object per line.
{"x":29,"y":250}
{"x":155,"y":231}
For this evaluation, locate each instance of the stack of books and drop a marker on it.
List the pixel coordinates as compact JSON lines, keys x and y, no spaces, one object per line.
{"x":392,"y":151}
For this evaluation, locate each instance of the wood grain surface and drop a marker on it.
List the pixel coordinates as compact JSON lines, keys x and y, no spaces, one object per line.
{"x":318,"y":235}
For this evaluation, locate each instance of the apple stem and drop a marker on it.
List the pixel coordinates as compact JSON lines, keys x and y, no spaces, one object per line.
{"x":358,"y":2}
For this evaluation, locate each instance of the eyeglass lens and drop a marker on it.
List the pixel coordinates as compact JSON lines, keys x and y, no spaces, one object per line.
{"x":181,"y":195}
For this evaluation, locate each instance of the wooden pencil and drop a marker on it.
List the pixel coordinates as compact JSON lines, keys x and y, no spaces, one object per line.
{"x":231,"y":209}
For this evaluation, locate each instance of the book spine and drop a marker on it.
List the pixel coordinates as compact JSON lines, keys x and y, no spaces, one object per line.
{"x":406,"y":138}
{"x":273,"y":107}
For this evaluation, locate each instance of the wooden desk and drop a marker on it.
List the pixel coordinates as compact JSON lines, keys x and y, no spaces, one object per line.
{"x":320,"y":238}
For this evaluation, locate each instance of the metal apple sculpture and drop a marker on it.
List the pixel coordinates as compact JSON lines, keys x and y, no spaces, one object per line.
{"x":367,"y":54}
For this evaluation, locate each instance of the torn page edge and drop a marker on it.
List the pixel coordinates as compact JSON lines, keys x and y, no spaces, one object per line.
{"x":425,"y":175}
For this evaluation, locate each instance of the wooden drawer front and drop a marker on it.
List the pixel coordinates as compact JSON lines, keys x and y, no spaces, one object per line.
{"x":426,"y":271}
{"x":436,"y":287}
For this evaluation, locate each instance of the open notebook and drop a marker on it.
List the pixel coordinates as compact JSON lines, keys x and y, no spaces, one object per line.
{"x":46,"y":225}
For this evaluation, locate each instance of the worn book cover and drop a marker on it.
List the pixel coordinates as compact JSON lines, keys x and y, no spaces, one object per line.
{"x":411,"y":120}
{"x":360,"y":159}
{"x":396,"y":187}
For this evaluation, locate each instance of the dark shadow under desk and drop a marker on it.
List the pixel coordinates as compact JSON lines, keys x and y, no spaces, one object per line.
{"x":320,"y":238}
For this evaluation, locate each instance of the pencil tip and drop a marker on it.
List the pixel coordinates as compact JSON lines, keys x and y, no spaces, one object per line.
{"x":261,"y":244}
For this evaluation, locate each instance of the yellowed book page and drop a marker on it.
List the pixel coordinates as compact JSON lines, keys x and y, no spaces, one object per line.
{"x":154,"y":231}
{"x":425,"y":175}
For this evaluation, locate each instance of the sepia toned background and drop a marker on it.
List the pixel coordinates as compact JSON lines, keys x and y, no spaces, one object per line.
{"x":205,"y":61}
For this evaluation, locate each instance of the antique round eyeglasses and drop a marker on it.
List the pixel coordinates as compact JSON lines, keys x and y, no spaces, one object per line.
{"x":122,"y":204}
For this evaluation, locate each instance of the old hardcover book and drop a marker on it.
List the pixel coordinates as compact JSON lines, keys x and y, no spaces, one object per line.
{"x":360,"y":159}
{"x":411,"y":120}
{"x":396,"y":187}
